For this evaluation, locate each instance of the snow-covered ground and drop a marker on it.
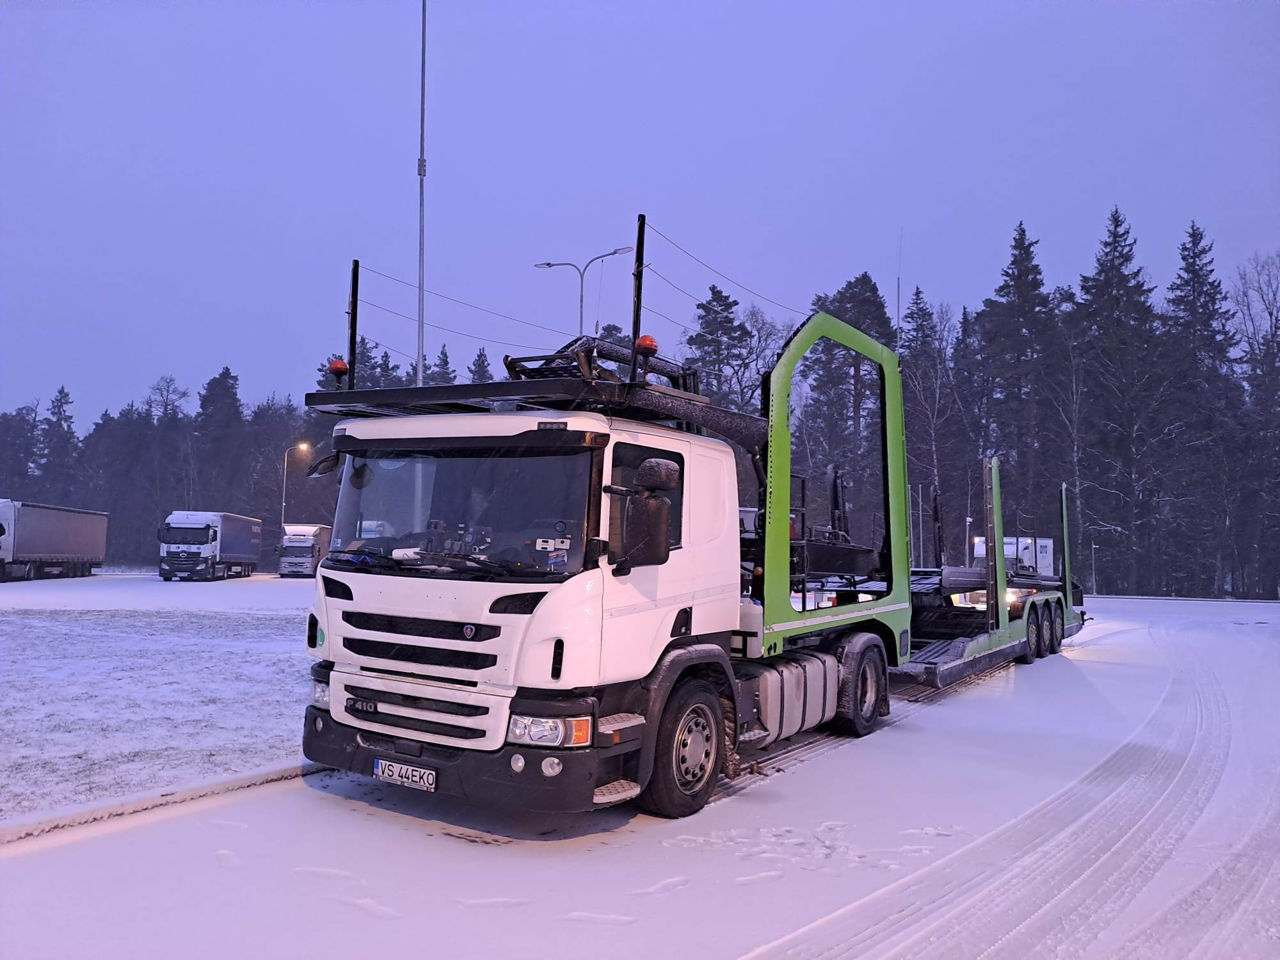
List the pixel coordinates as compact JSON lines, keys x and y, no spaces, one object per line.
{"x":117,"y":685}
{"x":1119,"y":800}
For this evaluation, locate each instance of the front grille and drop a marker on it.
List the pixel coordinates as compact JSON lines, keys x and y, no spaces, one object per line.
{"x":414,"y":723}
{"x":419,"y":712}
{"x":454,"y":681}
{"x":418,"y":627}
{"x":428,"y":656}
{"x":418,"y":703}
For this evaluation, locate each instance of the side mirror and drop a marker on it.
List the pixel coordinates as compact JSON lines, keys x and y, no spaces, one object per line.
{"x":324,"y":465}
{"x":646,"y":533}
{"x":2,"y":530}
{"x":160,"y":534}
{"x":213,"y":536}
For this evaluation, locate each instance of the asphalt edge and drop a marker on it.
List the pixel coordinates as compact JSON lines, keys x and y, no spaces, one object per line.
{"x":140,"y":804}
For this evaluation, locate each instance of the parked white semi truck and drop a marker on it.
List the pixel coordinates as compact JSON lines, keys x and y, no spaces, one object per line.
{"x":541,"y":592}
{"x":302,"y":547}
{"x":204,"y":545}
{"x":39,"y":540}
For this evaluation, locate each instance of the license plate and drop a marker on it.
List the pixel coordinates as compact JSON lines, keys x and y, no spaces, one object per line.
{"x":419,"y":778}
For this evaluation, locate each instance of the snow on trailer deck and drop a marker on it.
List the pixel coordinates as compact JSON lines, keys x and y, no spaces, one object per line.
{"x":1118,"y":800}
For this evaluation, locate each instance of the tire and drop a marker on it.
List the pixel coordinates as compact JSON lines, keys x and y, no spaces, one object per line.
{"x":1056,"y":628}
{"x":1045,"y":635}
{"x":29,"y":572}
{"x":688,"y":755}
{"x":1030,"y":654}
{"x":861,"y":689}
{"x":167,"y":579}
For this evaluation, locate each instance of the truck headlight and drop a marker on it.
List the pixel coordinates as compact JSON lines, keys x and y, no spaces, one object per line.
{"x":320,"y":694}
{"x":200,"y":565}
{"x":549,"y":731}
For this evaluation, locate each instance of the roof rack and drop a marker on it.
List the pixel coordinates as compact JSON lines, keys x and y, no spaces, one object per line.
{"x":572,"y":378}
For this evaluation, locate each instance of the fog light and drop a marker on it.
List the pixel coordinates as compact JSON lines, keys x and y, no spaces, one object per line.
{"x":517,"y":762}
{"x":319,"y":724}
{"x":551,"y":766}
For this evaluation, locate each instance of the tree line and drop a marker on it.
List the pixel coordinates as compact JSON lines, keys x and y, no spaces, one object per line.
{"x":1160,"y":413}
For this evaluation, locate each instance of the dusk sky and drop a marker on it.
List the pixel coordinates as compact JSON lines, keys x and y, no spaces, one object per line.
{"x":184,"y":184}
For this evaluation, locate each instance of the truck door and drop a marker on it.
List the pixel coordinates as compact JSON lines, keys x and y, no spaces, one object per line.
{"x":643,"y":608}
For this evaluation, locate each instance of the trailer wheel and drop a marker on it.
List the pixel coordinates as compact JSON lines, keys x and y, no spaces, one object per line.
{"x":1032,"y":650}
{"x":687,"y":755}
{"x":29,"y":572}
{"x":1056,"y":630}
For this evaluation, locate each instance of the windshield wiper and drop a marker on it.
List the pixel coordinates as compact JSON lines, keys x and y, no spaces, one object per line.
{"x":465,"y":563}
{"x":362,"y":558}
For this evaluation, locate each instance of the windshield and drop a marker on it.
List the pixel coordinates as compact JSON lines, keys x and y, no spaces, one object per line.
{"x":187,"y":535}
{"x":296,"y":551}
{"x":464,"y":513}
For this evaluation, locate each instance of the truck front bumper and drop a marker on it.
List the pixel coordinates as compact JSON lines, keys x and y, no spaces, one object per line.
{"x":473,"y":775}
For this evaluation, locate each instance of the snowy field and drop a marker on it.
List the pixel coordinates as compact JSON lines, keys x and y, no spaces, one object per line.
{"x":117,"y":685}
{"x":1119,"y":800}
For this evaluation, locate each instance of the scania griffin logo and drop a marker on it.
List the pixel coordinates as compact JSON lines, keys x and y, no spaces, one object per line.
{"x":469,"y":631}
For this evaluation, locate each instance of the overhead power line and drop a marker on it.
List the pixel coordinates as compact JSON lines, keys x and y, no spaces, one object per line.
{"x":724,"y":276}
{"x":672,"y":284}
{"x":397,"y":313}
{"x":465,"y":303}
{"x":668,"y":319}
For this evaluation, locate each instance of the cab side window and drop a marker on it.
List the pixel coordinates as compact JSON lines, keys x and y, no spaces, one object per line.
{"x":627,"y":458}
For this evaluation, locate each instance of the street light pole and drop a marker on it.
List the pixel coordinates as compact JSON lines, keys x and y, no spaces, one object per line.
{"x":582,"y":277}
{"x":284,"y":481}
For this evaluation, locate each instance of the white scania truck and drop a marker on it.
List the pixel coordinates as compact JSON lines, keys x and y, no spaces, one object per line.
{"x":205,"y":545}
{"x":39,"y":540}
{"x":302,"y":547}
{"x":540,"y":592}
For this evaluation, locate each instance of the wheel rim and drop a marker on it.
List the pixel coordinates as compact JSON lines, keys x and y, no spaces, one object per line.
{"x":867,"y":688}
{"x":1033,"y":636}
{"x":694,"y":749}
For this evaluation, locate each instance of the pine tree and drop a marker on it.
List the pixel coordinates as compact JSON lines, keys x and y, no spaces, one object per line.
{"x":57,"y":447}
{"x":219,"y":445}
{"x":613,"y":333}
{"x":1205,"y":476}
{"x":720,"y":346}
{"x":18,"y":431}
{"x":1130,"y":400}
{"x":1011,"y":329}
{"x":440,"y":373}
{"x":479,"y":371}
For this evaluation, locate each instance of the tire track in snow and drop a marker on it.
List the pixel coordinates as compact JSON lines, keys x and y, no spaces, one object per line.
{"x":1235,"y":910}
{"x":1071,"y":890}
{"x":1119,"y":791}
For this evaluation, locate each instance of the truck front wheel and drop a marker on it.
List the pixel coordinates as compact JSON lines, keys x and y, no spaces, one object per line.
{"x":687,"y":755}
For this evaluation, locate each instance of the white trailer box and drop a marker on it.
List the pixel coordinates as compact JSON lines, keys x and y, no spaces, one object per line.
{"x":302,"y":548}
{"x":207,"y":545}
{"x":38,"y":540}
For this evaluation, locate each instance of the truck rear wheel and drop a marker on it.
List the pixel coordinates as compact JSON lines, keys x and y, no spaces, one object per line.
{"x":861,"y":691}
{"x":687,"y":756}
{"x":1032,"y":651}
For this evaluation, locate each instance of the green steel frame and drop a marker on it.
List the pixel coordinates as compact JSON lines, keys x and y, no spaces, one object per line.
{"x":891,"y":613}
{"x":893,"y":610}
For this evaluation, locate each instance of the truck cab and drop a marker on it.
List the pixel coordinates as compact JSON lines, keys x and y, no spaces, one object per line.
{"x":503,"y":554}
{"x":208,"y":545}
{"x":302,"y":547}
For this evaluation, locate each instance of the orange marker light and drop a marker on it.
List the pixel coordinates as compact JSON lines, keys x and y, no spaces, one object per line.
{"x":579,"y":732}
{"x":646,"y":346}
